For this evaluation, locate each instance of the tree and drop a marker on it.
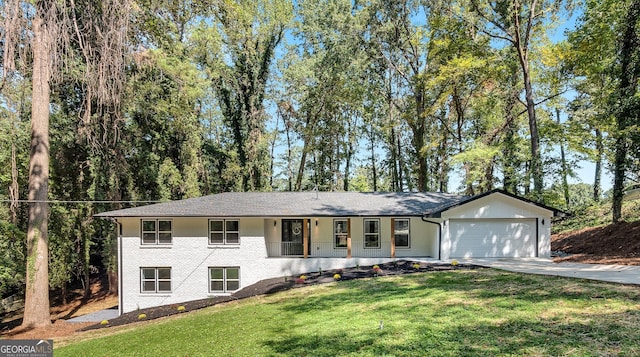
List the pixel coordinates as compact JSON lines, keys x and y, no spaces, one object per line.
{"x":590,"y":59}
{"x":250,"y":31}
{"x":322,"y":73}
{"x":56,"y":31}
{"x":394,"y":42}
{"x":517,"y":23}
{"x":36,"y":310}
{"x":626,"y":102}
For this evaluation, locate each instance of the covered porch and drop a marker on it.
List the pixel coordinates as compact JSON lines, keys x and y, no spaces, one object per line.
{"x":350,"y":237}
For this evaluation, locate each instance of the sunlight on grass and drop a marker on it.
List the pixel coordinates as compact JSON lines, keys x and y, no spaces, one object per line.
{"x":464,"y":313}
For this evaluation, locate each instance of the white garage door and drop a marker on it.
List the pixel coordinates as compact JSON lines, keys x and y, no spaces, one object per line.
{"x":493,"y":238}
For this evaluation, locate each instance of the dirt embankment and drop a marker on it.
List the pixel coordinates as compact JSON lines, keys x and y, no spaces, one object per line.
{"x":612,"y":244}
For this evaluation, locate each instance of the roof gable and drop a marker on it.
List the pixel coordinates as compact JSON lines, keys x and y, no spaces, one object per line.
{"x":436,"y":213}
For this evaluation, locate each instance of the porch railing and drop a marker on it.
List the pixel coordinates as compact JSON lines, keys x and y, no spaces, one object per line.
{"x":325,"y":250}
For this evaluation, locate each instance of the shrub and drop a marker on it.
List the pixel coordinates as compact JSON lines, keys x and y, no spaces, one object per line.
{"x":104,"y":322}
{"x":142,"y":316}
{"x":336,"y":276}
{"x":180,"y":308}
{"x":376,"y":270}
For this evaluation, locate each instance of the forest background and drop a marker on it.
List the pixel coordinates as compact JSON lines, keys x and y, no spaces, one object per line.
{"x":151,"y":100}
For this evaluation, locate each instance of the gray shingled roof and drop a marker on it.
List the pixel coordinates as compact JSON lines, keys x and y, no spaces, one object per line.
{"x":296,"y":204}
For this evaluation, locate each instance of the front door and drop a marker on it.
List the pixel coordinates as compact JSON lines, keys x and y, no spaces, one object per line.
{"x":293,"y":237}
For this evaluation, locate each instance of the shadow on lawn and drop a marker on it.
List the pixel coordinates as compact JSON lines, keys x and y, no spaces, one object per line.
{"x":514,"y":336}
{"x":517,"y":324}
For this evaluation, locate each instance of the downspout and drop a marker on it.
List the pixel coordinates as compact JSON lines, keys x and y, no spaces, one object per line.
{"x":538,"y":236}
{"x":119,"y":232}
{"x":439,"y":233}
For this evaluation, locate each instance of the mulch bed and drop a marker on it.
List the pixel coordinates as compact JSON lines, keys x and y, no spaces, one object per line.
{"x":270,"y":286}
{"x":617,"y":243}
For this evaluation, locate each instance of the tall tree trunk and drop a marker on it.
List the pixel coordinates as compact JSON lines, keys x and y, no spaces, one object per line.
{"x":36,"y":309}
{"x":347,"y":165}
{"x":289,"y":158}
{"x":272,"y":158}
{"x":509,"y":149}
{"x":563,"y":165}
{"x":629,"y":72}
{"x":521,"y":46}
{"x":303,"y":158}
{"x":400,"y":165}
{"x":536,"y":161}
{"x":395,"y":162}
{"x":418,"y":140}
{"x":373,"y":162}
{"x":597,"y":185}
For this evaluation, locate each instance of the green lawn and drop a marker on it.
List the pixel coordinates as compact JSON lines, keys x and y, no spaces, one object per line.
{"x":461,"y":313}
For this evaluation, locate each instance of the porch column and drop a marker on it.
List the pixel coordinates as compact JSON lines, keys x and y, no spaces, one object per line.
{"x":393,"y":238}
{"x":305,"y":237}
{"x":349,"y":238}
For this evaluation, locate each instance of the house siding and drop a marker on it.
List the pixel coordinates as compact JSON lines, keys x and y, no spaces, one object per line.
{"x":190,"y":255}
{"x":498,"y":206}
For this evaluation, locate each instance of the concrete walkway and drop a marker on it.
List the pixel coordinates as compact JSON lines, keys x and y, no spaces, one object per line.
{"x":624,"y":274}
{"x":96,"y":316}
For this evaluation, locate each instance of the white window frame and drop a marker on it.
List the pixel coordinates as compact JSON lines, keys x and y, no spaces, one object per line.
{"x":340,"y":235}
{"x":407,"y":233}
{"x":156,"y":231}
{"x":225,"y":280}
{"x":225,"y":232}
{"x":156,"y":280}
{"x":371,"y":234}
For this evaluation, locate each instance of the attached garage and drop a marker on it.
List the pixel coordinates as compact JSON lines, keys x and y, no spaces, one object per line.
{"x":496,"y":224}
{"x":493,"y":238}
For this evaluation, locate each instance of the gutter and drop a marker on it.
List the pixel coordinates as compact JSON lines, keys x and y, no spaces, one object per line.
{"x":439,"y":234}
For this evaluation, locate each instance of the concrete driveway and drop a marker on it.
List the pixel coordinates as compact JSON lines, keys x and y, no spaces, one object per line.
{"x":624,"y":274}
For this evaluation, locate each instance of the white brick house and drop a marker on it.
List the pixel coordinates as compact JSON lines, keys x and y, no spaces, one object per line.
{"x":214,"y":245}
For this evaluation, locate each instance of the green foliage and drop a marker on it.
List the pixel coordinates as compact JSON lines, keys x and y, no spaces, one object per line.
{"x":598,"y":214}
{"x":581,"y":198}
{"x":384,"y":95}
{"x":12,"y":258}
{"x":169,"y":180}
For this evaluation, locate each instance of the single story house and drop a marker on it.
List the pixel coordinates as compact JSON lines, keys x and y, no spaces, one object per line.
{"x":214,"y":245}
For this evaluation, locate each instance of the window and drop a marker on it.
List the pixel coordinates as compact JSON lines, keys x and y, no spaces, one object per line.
{"x":156,"y":231}
{"x":340,"y":232}
{"x":372,"y":233}
{"x":401,"y":232}
{"x":155,"y":280}
{"x":224,"y":280}
{"x":224,"y":231}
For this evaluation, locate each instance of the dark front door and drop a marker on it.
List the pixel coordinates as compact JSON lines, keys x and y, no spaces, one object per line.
{"x":293,"y":236}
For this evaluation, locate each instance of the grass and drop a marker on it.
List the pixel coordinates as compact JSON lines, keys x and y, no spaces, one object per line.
{"x":461,"y":313}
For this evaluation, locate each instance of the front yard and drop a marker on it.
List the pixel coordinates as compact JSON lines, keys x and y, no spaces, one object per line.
{"x":460,"y":313}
